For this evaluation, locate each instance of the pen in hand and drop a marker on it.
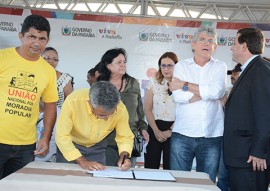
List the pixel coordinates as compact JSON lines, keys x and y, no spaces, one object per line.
{"x":123,"y":161}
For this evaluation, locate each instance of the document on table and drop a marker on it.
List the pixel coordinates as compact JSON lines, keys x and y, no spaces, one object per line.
{"x":112,"y":173}
{"x":154,"y":175}
{"x":133,"y":174}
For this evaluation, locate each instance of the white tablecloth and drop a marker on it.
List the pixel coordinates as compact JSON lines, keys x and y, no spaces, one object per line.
{"x":44,"y":176}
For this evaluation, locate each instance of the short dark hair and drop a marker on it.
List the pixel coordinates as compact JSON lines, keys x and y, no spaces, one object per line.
{"x":254,"y":39}
{"x":37,"y":22}
{"x":104,"y":94}
{"x":97,"y":67}
{"x":91,"y":72}
{"x":106,"y":59}
{"x":48,"y":49}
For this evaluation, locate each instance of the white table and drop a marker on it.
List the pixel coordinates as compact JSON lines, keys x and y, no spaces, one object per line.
{"x":44,"y":176}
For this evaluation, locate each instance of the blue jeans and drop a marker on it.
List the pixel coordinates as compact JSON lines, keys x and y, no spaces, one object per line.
{"x":206,"y":151}
{"x":223,"y":173}
{"x":15,"y":157}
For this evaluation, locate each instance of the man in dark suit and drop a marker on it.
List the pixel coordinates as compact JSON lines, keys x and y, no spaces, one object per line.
{"x":247,"y":116}
{"x":223,"y":172}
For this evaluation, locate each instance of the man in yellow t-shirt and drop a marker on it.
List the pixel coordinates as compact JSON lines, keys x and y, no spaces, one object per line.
{"x":25,"y":78}
{"x":86,"y":118}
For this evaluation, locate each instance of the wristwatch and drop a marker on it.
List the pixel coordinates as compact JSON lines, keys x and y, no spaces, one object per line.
{"x":185,"y":87}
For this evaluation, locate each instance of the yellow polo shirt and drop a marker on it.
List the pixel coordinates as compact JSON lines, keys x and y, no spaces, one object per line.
{"x":78,"y":124}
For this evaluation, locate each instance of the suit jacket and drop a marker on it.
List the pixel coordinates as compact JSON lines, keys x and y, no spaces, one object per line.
{"x":247,"y":116}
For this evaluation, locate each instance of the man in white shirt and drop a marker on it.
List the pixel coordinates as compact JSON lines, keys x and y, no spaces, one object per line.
{"x":198,"y":84}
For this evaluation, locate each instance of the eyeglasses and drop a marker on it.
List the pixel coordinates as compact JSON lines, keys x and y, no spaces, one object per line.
{"x":51,"y":59}
{"x":169,"y":66}
{"x":102,"y":116}
{"x":203,"y":40}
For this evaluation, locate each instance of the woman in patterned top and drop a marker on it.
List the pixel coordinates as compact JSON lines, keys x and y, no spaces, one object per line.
{"x":159,"y":110}
{"x":64,"y":80}
{"x":64,"y":87}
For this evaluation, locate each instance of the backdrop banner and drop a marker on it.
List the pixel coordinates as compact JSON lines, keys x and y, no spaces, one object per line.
{"x":82,"y":39}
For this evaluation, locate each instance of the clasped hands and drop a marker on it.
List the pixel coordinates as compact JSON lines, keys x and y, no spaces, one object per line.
{"x":162,"y":136}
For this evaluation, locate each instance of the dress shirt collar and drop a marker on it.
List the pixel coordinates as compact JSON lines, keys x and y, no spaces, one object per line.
{"x":243,"y":67}
{"x":192,"y":61}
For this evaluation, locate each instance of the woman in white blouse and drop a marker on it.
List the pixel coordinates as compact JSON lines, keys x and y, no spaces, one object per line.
{"x":159,"y":110}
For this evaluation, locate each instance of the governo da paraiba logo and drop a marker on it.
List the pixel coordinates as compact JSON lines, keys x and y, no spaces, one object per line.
{"x":78,"y":31}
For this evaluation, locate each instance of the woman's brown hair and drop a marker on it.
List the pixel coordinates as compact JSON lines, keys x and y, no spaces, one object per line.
{"x":171,"y":55}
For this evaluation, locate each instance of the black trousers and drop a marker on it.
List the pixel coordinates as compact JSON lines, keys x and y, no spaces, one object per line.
{"x":15,"y":157}
{"x":245,"y":179}
{"x":154,"y":148}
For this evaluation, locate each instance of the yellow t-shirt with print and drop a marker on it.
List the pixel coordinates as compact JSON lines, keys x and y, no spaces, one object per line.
{"x":22,"y":83}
